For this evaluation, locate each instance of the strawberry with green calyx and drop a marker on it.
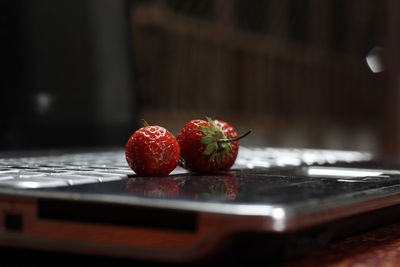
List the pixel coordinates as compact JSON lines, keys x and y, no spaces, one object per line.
{"x":208,"y":145}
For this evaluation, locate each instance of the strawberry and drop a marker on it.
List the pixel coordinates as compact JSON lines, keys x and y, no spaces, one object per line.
{"x":208,"y":145}
{"x":152,"y":151}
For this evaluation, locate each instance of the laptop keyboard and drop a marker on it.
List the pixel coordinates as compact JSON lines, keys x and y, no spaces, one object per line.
{"x":84,"y":168}
{"x":63,"y":170}
{"x":267,"y":157}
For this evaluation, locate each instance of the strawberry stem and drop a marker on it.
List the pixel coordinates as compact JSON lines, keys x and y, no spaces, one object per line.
{"x":234,"y":139}
{"x":144,"y":123}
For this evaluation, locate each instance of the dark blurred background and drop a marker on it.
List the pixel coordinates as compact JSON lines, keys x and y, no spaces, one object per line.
{"x":294,"y":71}
{"x":68,"y":74}
{"x":83,"y":73}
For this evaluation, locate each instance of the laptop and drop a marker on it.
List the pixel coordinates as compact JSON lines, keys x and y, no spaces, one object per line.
{"x":82,"y":198}
{"x":273,"y":204}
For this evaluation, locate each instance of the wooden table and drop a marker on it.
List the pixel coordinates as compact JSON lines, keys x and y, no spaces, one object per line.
{"x":380,"y":247}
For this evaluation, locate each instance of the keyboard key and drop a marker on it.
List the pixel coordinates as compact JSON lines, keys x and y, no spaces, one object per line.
{"x":9,"y":171}
{"x":50,"y":171}
{"x":25,"y":174}
{"x":73,"y":179}
{"x":76,"y":169}
{"x":35,"y":182}
{"x":6,"y":177}
{"x":114,"y":172}
{"x":76,"y":178}
{"x":96,"y":174}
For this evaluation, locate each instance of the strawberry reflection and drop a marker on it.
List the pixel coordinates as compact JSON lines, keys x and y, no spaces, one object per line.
{"x":224,"y":187}
{"x":219,"y":187}
{"x":153,"y":186}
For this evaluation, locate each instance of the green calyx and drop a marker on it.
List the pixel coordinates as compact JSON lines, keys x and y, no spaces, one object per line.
{"x":216,"y":149}
{"x":218,"y":146}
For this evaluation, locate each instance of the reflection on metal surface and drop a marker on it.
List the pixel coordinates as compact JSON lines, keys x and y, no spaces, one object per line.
{"x":279,"y":215}
{"x":350,"y":181}
{"x":342,"y":172}
{"x":153,"y":186}
{"x":375,"y":59}
{"x":222,"y":187}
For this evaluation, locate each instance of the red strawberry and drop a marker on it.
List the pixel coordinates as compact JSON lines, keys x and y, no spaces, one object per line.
{"x":208,"y":145}
{"x":152,"y":150}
